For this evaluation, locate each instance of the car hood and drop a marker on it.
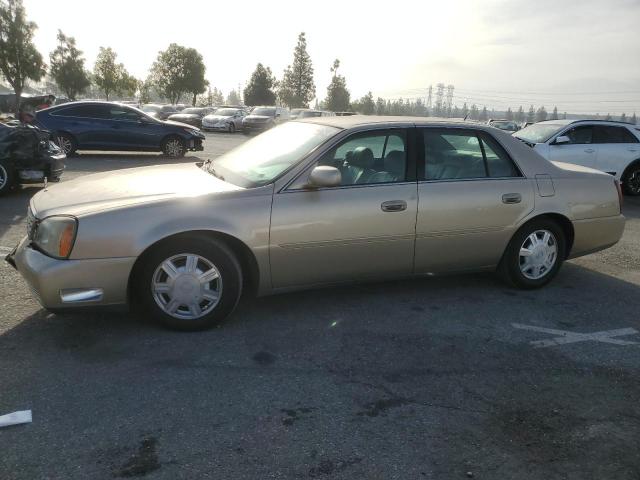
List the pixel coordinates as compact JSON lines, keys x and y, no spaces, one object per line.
{"x":188,"y":116}
{"x":121,"y":188}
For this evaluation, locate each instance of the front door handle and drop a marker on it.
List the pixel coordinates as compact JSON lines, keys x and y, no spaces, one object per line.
{"x":511,"y":198}
{"x":589,"y":150}
{"x":394,"y":206}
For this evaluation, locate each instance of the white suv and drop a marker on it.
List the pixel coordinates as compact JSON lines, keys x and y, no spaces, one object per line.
{"x":612,"y":147}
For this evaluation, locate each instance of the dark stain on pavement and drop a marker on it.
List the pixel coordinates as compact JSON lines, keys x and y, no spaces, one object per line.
{"x":330,"y":467}
{"x":294,"y":414}
{"x":144,"y":461}
{"x":264,"y":358}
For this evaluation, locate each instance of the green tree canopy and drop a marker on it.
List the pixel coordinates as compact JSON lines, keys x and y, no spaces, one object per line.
{"x":365,"y":105}
{"x":338,"y":97}
{"x":259,"y":90}
{"x":541,"y":114}
{"x":179,"y":70}
{"x":233,"y":98}
{"x":297,"y":87}
{"x":483,"y":115}
{"x":67,"y":67}
{"x":19,"y":59}
{"x":111,"y":77}
{"x":509,"y":114}
{"x":531,"y":115}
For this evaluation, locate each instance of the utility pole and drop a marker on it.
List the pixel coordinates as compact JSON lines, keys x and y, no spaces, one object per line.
{"x":449,"y":101}
{"x":429,"y":98}
{"x":439,"y":99}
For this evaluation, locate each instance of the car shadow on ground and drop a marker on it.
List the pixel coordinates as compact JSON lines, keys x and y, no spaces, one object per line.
{"x":350,"y":373}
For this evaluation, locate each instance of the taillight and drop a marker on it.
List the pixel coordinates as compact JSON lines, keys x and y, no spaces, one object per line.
{"x":619,"y":189}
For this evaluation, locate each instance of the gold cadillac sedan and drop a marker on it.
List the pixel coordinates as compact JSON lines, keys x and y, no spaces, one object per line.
{"x":310,"y":203}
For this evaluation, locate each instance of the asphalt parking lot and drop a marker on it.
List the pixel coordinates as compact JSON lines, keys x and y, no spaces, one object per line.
{"x":438,"y":378}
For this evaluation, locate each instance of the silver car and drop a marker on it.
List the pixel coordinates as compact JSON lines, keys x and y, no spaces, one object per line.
{"x":309,"y":203}
{"x":224,"y":119}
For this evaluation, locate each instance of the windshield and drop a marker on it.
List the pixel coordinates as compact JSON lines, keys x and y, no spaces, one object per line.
{"x":262,"y":159}
{"x":150,"y":108}
{"x":309,"y":114}
{"x":269,"y":112}
{"x":195,"y":111}
{"x":226,"y":112}
{"x":539,"y":132}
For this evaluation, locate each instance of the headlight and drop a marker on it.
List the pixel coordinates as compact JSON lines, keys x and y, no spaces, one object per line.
{"x":56,"y":235}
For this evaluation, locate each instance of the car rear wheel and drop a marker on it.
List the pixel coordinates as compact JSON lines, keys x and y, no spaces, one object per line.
{"x":631,"y":180}
{"x":174,"y":147}
{"x":67,"y":143}
{"x":534,"y":255}
{"x":7,"y":178}
{"x":232,"y":128}
{"x":189,"y":283}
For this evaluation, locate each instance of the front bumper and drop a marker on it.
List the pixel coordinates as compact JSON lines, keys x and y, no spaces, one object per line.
{"x":216,"y":127}
{"x":61,"y":284}
{"x":194,"y":144}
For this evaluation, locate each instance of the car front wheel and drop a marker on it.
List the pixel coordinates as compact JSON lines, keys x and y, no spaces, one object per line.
{"x":189,"y":283}
{"x":174,"y":147}
{"x":534,"y":255}
{"x":67,"y":143}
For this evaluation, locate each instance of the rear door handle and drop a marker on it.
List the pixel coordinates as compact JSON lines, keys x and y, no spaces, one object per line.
{"x":394,"y":206}
{"x":511,"y":198}
{"x":589,"y":150}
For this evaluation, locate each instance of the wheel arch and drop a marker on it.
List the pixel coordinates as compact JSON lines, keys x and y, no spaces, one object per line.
{"x":248,"y":262}
{"x":632,"y":164}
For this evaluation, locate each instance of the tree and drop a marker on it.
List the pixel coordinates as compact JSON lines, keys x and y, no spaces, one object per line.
{"x":179,"y":70}
{"x":366,"y":105}
{"x":465,"y":110}
{"x":19,"y":59}
{"x":337,"y":94}
{"x":531,"y":115}
{"x":259,"y":90}
{"x":381,"y":106}
{"x":608,"y":117}
{"x":623,"y":117}
{"x":554,"y":114}
{"x":144,"y":87}
{"x":483,"y":115}
{"x":67,"y":67}
{"x":633,"y":120}
{"x":520,"y":114}
{"x":216,"y":97}
{"x":473,"y":113}
{"x":297,"y":87}
{"x":509,"y":114}
{"x":541,"y":114}
{"x":233,"y":98}
{"x":111,"y":77}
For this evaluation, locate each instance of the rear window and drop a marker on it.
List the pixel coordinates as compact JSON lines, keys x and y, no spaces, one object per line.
{"x":87,"y":111}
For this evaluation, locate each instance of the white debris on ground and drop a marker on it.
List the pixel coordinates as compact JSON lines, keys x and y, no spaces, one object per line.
{"x":15,"y":418}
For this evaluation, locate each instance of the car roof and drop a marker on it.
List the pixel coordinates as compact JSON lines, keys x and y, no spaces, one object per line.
{"x":372,"y":120}
{"x":583,"y":120}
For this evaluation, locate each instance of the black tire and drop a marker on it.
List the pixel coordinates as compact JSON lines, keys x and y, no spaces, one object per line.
{"x":510,"y":265}
{"x":215,"y":252}
{"x":67,"y":143}
{"x":631,"y":180}
{"x":232,"y":128}
{"x":7,"y":177}
{"x":174,"y":147}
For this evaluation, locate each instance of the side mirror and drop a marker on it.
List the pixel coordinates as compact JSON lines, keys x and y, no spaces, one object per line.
{"x":562,"y":139}
{"x":324,"y":176}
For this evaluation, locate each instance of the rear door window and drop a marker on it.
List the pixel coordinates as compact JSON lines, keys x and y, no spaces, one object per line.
{"x":611,"y":134}
{"x":83,"y":111}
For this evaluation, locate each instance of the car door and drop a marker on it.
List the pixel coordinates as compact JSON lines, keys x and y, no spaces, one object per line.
{"x":364,"y":228}
{"x":471,"y":197}
{"x":85,"y":122}
{"x":617,"y":148}
{"x":128,"y":130}
{"x":580,"y":150}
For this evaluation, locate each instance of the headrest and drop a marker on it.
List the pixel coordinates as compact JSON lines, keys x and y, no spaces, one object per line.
{"x":362,"y":157}
{"x":395,"y":162}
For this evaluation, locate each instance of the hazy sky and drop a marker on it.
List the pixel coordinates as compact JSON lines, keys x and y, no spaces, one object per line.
{"x":581,"y":55}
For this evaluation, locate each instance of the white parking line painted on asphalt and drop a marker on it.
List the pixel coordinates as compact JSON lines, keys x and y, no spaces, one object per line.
{"x":563,"y":337}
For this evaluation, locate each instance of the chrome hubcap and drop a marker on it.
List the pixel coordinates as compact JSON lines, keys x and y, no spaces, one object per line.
{"x":186,"y":286}
{"x":4,"y":176}
{"x":174,"y":148}
{"x":65,"y":144}
{"x":538,"y":254}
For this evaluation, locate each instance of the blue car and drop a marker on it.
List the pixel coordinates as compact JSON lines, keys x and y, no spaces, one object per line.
{"x":113,"y":126}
